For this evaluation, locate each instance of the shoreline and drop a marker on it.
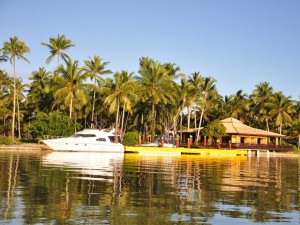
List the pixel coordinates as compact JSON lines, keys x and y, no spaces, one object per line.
{"x":25,"y":147}
{"x":32,"y":147}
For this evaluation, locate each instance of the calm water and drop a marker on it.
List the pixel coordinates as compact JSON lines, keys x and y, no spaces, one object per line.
{"x":94,"y":188}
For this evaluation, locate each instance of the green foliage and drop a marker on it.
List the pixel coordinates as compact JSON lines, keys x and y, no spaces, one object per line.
{"x":295,"y":149}
{"x":214,"y":129}
{"x":130,"y":138}
{"x":53,"y":124}
{"x":5,"y":140}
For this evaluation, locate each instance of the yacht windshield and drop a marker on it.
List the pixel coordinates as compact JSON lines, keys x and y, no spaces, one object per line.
{"x":112,"y":139}
{"x":84,"y":135}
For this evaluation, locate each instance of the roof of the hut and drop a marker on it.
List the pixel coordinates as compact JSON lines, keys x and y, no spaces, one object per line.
{"x":234,"y":126}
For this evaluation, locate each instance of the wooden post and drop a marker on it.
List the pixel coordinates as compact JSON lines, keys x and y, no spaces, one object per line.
{"x":229,"y":144}
{"x":140,"y":140}
{"x":204,"y":141}
{"x":177,"y":141}
{"x":162,"y":141}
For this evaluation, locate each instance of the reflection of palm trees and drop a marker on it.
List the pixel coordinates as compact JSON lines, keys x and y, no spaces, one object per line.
{"x":12,"y":180}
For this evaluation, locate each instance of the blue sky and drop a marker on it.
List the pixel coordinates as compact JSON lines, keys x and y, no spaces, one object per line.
{"x":239,"y":43}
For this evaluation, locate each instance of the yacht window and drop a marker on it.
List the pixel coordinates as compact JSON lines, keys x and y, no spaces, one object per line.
{"x":101,"y":139}
{"x":84,"y":135}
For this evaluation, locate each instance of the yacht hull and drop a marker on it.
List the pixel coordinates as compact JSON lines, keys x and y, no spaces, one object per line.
{"x":75,"y":146}
{"x":86,"y":141}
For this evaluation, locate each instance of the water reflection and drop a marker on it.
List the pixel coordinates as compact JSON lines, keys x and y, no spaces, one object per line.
{"x":99,"y":188}
{"x":93,"y":164}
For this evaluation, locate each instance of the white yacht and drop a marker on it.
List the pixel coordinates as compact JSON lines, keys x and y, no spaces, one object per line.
{"x":87,"y":140}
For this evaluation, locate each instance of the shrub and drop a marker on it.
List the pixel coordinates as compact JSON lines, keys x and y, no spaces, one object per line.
{"x":7,"y":140}
{"x":295,"y":149}
{"x":214,"y":129}
{"x":130,"y":138}
{"x":53,"y":124}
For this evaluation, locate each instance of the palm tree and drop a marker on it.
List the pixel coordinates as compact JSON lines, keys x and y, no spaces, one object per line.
{"x":208,"y":93}
{"x":295,"y":128}
{"x":94,"y":68}
{"x":297,"y":120}
{"x":183,"y":93}
{"x":3,"y":56}
{"x":71,"y":84}
{"x":15,"y":49}
{"x":121,"y":91}
{"x":57,"y":47}
{"x":40,"y":88}
{"x":4,"y":80}
{"x":20,"y":98}
{"x":130,"y":97}
{"x":155,"y":86}
{"x":195,"y":88}
{"x":261,"y":95}
{"x":5,"y":87}
{"x":281,"y":109}
{"x":238,"y":105}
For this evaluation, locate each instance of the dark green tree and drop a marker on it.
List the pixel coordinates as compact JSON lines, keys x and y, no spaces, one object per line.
{"x":214,"y":129}
{"x":53,"y":124}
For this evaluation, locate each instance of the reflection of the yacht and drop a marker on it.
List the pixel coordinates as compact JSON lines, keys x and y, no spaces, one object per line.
{"x":96,"y":165}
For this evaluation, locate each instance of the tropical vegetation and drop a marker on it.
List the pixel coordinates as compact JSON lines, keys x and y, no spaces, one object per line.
{"x":158,"y":99}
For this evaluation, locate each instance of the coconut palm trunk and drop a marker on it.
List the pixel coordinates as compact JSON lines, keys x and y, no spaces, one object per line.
{"x":117,"y":119}
{"x":94,"y":100}
{"x":71,"y":106}
{"x":123,"y":118}
{"x":200,"y":123}
{"x":153,"y":122}
{"x":189,"y":116}
{"x":14,"y":101}
{"x":267,"y":124}
{"x":19,"y":121}
{"x":15,"y":48}
{"x":181,"y":121}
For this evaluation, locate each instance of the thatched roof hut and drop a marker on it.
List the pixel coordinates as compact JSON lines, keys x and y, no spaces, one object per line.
{"x":236,"y":127}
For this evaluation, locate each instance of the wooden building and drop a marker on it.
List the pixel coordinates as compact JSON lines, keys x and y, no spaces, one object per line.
{"x":240,"y":135}
{"x":237,"y":132}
